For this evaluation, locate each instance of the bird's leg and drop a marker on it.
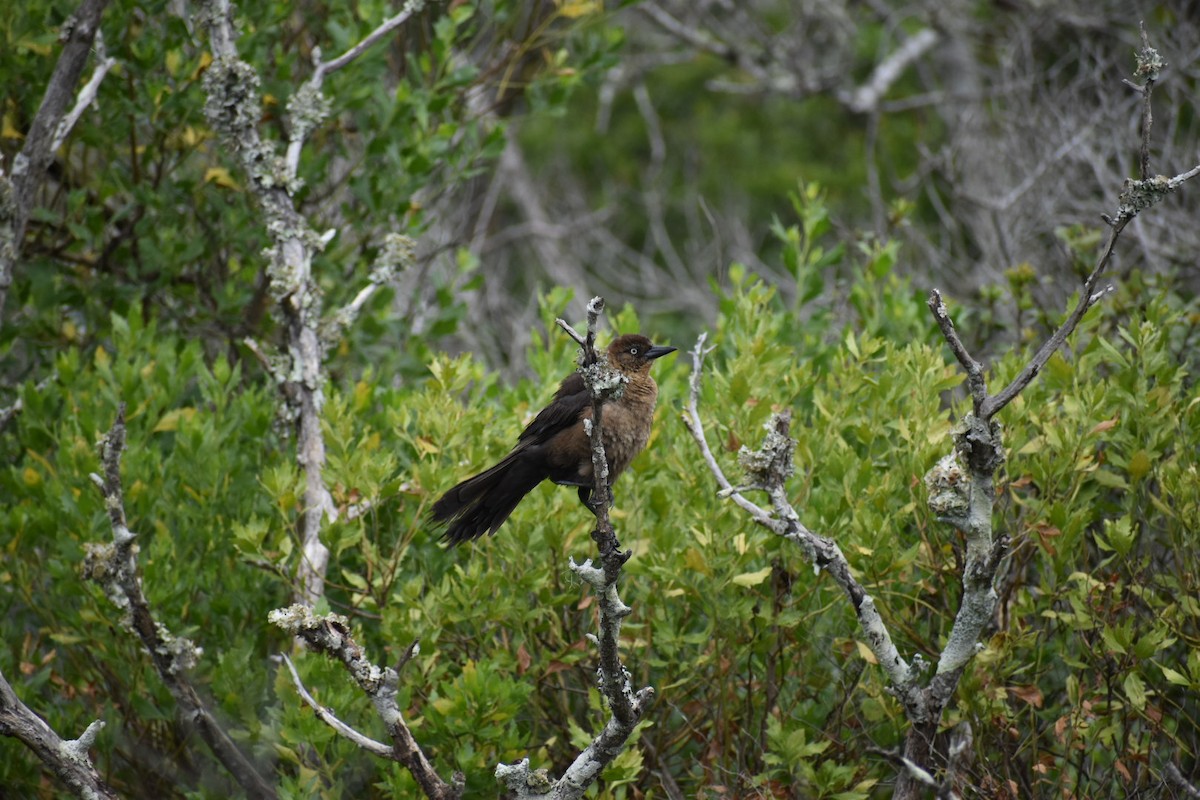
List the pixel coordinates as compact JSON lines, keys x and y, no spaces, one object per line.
{"x":593,"y":505}
{"x":585,"y":497}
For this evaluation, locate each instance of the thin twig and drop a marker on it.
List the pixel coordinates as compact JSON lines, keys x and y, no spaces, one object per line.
{"x":325,"y":715}
{"x":975,"y":379}
{"x":87,"y":94}
{"x":314,"y":106}
{"x":330,"y":634}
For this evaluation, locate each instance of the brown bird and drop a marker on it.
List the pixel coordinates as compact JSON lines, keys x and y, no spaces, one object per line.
{"x":555,"y":445}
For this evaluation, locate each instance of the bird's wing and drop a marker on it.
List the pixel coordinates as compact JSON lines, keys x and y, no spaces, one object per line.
{"x":571,"y":400}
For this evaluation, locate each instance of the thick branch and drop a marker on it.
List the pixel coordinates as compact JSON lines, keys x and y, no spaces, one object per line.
{"x":114,"y":567}
{"x":29,"y":167}
{"x":68,"y":760}
{"x":233,"y":109}
{"x":330,"y":634}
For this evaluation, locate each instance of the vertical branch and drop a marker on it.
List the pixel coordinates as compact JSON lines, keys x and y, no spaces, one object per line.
{"x":616,"y":684}
{"x":233,"y":109}
{"x":961,"y":485}
{"x":114,"y":567}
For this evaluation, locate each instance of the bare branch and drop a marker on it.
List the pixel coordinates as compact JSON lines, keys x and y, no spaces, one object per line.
{"x":396,"y":254}
{"x":9,"y":413}
{"x":1149,"y":65}
{"x":769,"y":468}
{"x":68,"y":760}
{"x":330,"y":634}
{"x":1176,"y":779}
{"x":866,"y":97}
{"x":233,"y":110}
{"x":975,"y":379}
{"x":308,"y":107}
{"x":17,"y":190}
{"x":695,"y":426}
{"x":574,"y":334}
{"x":942,"y":791}
{"x":1087,"y":298}
{"x":114,"y":567}
{"x":87,"y":94}
{"x":410,"y":8}
{"x":616,"y":684}
{"x":365,"y":742}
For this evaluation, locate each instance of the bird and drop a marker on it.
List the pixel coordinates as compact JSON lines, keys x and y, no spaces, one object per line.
{"x":556,"y":446}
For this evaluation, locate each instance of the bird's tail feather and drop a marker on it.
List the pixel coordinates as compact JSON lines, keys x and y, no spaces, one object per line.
{"x":480,"y":504}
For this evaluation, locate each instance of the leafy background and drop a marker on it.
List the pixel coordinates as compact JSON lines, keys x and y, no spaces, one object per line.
{"x":142,"y":276}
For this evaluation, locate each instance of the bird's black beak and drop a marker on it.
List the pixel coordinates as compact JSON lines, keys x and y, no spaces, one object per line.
{"x":657,"y":352}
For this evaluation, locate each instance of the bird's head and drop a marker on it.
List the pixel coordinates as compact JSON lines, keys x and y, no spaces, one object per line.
{"x":633,"y":353}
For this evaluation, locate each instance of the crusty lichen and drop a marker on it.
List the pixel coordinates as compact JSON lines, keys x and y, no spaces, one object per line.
{"x":771,"y":464}
{"x":949,"y":489}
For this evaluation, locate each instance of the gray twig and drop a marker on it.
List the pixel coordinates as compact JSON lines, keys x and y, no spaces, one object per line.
{"x":325,"y":715}
{"x":1176,"y":779}
{"x":330,"y":634}
{"x":308,"y":107}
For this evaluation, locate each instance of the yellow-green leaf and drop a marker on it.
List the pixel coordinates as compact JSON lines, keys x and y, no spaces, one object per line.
{"x":752,"y":578}
{"x":170,"y":420}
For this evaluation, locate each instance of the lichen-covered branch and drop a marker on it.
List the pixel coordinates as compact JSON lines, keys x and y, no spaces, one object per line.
{"x":114,"y":567}
{"x":330,"y":634}
{"x":233,"y":109}
{"x":50,"y":125}
{"x":68,"y":760}
{"x":616,"y":684}
{"x":961,"y":486}
{"x":309,"y":107}
{"x":768,"y":469}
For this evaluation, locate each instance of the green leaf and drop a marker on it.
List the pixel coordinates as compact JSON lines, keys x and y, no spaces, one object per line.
{"x":752,"y":578}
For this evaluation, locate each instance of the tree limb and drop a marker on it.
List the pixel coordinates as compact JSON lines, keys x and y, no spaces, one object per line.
{"x":114,"y":567}
{"x":615,"y":682}
{"x":330,"y":634}
{"x":365,"y":742}
{"x":45,"y":134}
{"x":68,"y":760}
{"x":769,"y":467}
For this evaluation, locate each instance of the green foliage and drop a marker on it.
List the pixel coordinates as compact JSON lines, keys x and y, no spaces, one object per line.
{"x":763,"y":683}
{"x":1089,"y":682}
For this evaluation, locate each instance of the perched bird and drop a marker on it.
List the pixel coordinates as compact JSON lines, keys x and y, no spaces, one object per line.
{"x":555,"y":445}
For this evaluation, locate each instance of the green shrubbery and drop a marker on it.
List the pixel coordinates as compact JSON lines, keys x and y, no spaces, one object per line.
{"x":1088,"y":686}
